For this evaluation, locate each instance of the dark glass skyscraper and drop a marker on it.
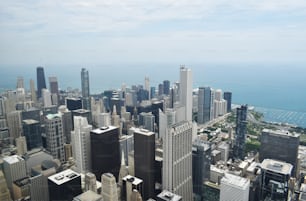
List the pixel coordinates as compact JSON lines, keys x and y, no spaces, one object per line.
{"x":32,"y":132}
{"x":241,"y":129}
{"x":204,"y":105}
{"x":201,"y":152}
{"x":166,"y":85}
{"x":41,"y":82}
{"x":228,"y":97}
{"x":144,"y":154}
{"x":105,"y":151}
{"x":85,"y":88}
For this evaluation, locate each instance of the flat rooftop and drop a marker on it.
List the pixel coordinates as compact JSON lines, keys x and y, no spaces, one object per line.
{"x":236,"y":181}
{"x":13,"y":159}
{"x":30,"y":121}
{"x":134,"y":180}
{"x":277,"y":166}
{"x":167,"y":195}
{"x":280,"y":132}
{"x":63,"y":177}
{"x":103,"y":129}
{"x":143,"y":131}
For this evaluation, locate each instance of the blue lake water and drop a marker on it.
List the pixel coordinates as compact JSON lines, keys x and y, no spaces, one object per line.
{"x":279,"y":91}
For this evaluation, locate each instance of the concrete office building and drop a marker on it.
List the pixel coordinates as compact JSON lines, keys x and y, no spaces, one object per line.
{"x":14,"y":168}
{"x":80,"y":140}
{"x":186,"y":91}
{"x":234,"y":188}
{"x":55,"y":138}
{"x":177,"y":160}
{"x":280,"y":145}
{"x":109,"y":187}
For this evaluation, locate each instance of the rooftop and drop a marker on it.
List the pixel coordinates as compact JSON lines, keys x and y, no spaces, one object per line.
{"x":277,"y":166}
{"x":236,"y":181}
{"x":280,"y":132}
{"x":53,"y":116}
{"x":143,"y":131}
{"x":134,"y":180}
{"x":30,"y":121}
{"x":103,"y":129}
{"x":88,"y":196}
{"x":12,"y":159}
{"x":167,"y":195}
{"x":63,"y":177}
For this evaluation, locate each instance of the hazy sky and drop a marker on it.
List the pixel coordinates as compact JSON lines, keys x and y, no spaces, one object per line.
{"x":83,"y":32}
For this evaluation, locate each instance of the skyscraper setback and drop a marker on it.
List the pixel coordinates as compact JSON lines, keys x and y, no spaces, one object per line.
{"x":85,"y":88}
{"x":41,"y":82}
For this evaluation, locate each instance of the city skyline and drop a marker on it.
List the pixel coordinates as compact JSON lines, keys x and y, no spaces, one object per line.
{"x":80,"y":32}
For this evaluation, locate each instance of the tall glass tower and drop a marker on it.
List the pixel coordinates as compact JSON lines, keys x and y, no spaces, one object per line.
{"x":41,"y":82}
{"x":241,"y":129}
{"x":85,"y":88}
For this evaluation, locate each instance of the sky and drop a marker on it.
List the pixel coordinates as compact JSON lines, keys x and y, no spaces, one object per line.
{"x":52,"y":32}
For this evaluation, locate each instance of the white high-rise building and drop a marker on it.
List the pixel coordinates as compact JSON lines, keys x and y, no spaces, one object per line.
{"x":80,"y":139}
{"x":147,"y":85}
{"x":46,"y":98}
{"x":104,"y":119}
{"x":234,"y":188}
{"x":177,"y":164}
{"x":14,"y":168}
{"x":55,"y":136}
{"x":14,"y":123}
{"x":109,"y":187}
{"x":186,"y":91}
{"x":21,"y":144}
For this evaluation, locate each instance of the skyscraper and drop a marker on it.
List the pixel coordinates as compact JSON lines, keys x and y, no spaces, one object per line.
{"x":105,"y":151}
{"x":228,"y":97}
{"x":54,"y":90}
{"x":32,"y":132}
{"x":39,"y":188}
{"x":166,"y":85}
{"x":280,"y":145}
{"x":204,"y":104}
{"x":55,"y":136}
{"x":85,"y":88}
{"x":14,"y":123}
{"x":80,"y":140}
{"x":33,"y":92}
{"x":186,"y":91}
{"x":201,"y":152}
{"x":177,"y":163}
{"x":90,"y":182}
{"x":241,"y":129}
{"x":144,"y":157}
{"x":41,"y":82}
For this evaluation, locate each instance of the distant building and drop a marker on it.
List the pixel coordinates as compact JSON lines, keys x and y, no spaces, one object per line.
{"x":73,"y":103}
{"x":234,"y":188}
{"x":177,"y":160}
{"x":205,"y":103}
{"x":186,"y":91}
{"x":144,"y":156}
{"x":85,"y":89}
{"x":166,"y":85}
{"x":280,"y":145}
{"x":241,"y":129}
{"x":46,"y":96}
{"x":105,"y":151}
{"x":41,"y":82}
{"x":228,"y":97}
{"x":64,"y":185}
